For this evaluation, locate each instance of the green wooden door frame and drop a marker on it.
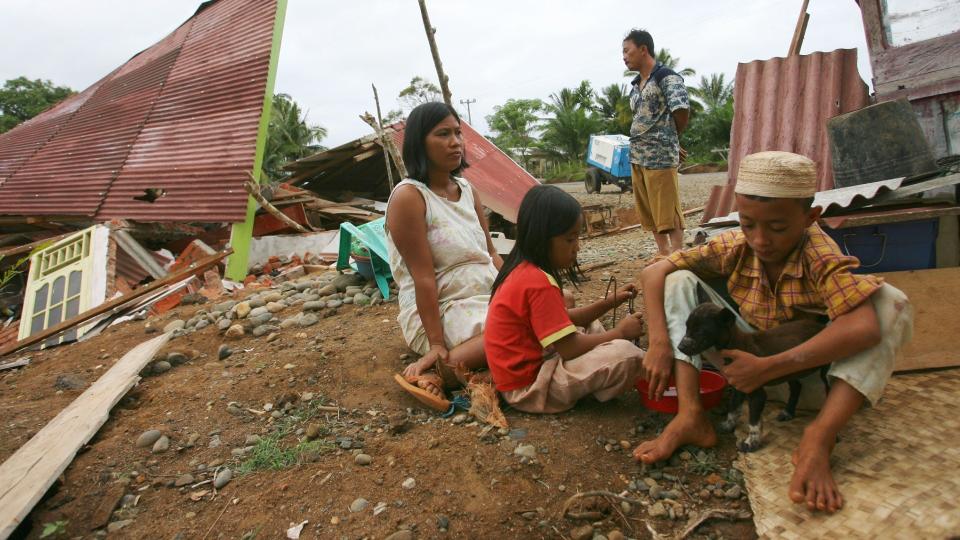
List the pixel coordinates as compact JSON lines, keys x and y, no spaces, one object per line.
{"x":241,"y":233}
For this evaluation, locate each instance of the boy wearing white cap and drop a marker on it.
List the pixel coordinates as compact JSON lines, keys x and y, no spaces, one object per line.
{"x":779,"y":264}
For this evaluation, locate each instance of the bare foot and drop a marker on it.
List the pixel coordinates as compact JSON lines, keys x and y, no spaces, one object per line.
{"x":812,"y":480}
{"x":431,"y":383}
{"x":687,"y":428}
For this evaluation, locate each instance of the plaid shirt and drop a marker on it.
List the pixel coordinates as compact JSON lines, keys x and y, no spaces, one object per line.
{"x":816,"y":277}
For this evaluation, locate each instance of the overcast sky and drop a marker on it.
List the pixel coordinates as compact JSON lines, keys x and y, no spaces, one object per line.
{"x":492,"y":50}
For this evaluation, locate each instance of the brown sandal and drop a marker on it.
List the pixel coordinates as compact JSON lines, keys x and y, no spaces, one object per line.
{"x":411,"y":385}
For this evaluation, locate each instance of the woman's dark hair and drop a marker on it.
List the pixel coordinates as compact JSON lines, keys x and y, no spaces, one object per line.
{"x":422,"y":119}
{"x":641,"y":37}
{"x":545,"y":212}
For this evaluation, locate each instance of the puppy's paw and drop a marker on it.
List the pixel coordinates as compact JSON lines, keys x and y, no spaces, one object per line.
{"x":752,"y":442}
{"x":785,"y":416}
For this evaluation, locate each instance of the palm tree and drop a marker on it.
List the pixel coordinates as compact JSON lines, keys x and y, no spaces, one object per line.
{"x":713,"y":92}
{"x":288,"y":136}
{"x":667,"y":59}
{"x":575,"y":118}
{"x":613,"y":104}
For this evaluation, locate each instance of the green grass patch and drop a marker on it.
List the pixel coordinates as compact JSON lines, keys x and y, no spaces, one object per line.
{"x":273,"y":453}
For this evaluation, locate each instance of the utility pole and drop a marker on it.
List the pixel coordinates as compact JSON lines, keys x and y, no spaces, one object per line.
{"x":447,"y":97}
{"x":467,"y":102}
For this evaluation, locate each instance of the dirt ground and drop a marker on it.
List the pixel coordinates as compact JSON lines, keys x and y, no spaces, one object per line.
{"x":468,"y":480}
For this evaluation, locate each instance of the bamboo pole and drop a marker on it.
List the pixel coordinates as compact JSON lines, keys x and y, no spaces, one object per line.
{"x":447,"y":97}
{"x":254,"y":192}
{"x":383,"y":142}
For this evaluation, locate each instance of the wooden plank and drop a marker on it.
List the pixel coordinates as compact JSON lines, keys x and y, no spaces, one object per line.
{"x":797,"y":41}
{"x":14,"y":364}
{"x":935,"y":296}
{"x":881,"y":217}
{"x":169,"y":279}
{"x":32,"y":469}
{"x":27,"y":248}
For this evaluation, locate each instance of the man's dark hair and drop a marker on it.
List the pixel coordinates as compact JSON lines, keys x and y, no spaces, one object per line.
{"x":806,"y":203}
{"x":641,"y":37}
{"x":422,"y":119}
{"x":545,"y":212}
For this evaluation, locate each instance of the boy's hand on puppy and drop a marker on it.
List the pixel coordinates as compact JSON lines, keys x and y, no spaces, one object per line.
{"x":745,"y":372}
{"x":631,"y":326}
{"x":627,"y":292}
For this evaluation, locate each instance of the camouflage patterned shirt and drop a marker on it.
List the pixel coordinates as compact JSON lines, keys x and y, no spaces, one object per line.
{"x":654,"y":143}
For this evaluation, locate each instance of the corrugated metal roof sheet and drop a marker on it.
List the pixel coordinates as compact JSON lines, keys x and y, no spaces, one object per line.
{"x":784,"y":104}
{"x":501,"y":182}
{"x":181,"y":116}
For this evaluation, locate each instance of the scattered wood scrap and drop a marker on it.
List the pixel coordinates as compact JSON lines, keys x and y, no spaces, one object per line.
{"x":30,"y":472}
{"x":20,"y":362}
{"x":105,"y":307}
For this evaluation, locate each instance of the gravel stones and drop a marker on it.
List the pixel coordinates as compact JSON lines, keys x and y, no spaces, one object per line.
{"x":362,"y":459}
{"x":327,"y":290}
{"x":343,"y":281}
{"x":584,"y":532}
{"x":224,"y":352}
{"x":222,"y":478}
{"x":409,"y":483}
{"x":401,"y":535}
{"x":264,"y":329}
{"x":177,"y":358}
{"x":160,"y":366}
{"x":733,"y":493}
{"x":361,"y":299}
{"x":333,"y":304}
{"x":183,"y":480}
{"x":256,"y":312}
{"x":657,"y":509}
{"x":174,"y":326}
{"x":308,"y":320}
{"x":69,"y":382}
{"x":314,"y":305}
{"x":162,"y":445}
{"x":224,"y":307}
{"x":234,"y":332}
{"x":526,"y":450}
{"x":147,"y":438}
{"x":274,"y":307}
{"x":359,"y":505}
{"x":272,"y":297}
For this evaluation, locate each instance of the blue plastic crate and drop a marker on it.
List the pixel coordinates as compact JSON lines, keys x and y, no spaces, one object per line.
{"x":890,"y":247}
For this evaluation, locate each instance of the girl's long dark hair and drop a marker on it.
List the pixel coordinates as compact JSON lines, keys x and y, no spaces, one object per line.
{"x":422,"y":119}
{"x":545,"y":212}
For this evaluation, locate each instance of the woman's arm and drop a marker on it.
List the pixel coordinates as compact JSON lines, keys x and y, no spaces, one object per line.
{"x":497,"y":261}
{"x":406,"y":220}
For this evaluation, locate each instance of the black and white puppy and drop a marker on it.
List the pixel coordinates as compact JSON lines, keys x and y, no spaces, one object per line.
{"x":710,"y":325}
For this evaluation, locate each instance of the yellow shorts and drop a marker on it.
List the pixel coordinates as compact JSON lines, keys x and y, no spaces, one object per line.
{"x":657,"y":193}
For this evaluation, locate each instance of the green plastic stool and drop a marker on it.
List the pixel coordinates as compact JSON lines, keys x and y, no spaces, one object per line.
{"x":374,"y":238}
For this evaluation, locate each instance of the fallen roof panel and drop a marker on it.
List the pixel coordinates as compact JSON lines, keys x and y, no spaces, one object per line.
{"x":181,"y":116}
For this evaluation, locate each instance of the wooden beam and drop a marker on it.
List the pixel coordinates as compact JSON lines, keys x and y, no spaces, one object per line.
{"x":254,"y":192}
{"x":32,"y":469}
{"x":27,"y":248}
{"x":801,"y":29}
{"x":430,"y":30}
{"x":169,"y":279}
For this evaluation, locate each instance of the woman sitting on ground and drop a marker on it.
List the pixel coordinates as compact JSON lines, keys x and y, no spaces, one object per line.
{"x":441,"y":256}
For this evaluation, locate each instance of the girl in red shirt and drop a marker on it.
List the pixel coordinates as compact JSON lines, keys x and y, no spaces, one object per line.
{"x":541,"y":362}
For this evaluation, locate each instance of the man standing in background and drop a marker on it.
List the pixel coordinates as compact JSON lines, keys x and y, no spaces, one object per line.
{"x":661,"y":109}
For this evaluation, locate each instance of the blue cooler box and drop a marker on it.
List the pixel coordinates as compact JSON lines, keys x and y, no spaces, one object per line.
{"x":890,"y":247}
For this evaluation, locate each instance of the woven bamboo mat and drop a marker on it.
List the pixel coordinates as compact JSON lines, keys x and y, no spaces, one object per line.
{"x":897,"y":466}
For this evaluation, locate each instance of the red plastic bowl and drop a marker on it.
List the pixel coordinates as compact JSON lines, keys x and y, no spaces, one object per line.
{"x":711,"y":392}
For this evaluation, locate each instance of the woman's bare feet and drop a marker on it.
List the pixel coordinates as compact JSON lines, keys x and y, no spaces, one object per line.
{"x":685,"y":428}
{"x":812,"y":481}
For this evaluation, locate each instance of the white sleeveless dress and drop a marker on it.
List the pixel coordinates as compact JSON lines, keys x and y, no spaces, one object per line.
{"x":461,"y":262}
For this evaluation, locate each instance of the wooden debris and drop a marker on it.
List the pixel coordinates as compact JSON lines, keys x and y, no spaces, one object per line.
{"x":254,"y":192}
{"x":15,"y":364}
{"x":170,"y":279}
{"x":32,"y":469}
{"x":721,"y":513}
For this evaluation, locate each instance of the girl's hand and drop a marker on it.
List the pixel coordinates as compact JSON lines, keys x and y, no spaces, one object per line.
{"x":436,"y":352}
{"x":627,"y":292}
{"x":631,"y":326}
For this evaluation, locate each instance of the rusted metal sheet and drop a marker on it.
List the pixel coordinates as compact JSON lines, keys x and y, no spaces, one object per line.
{"x":181,"y":117}
{"x":501,"y":182}
{"x":784,"y":104}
